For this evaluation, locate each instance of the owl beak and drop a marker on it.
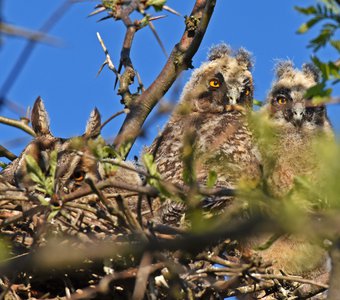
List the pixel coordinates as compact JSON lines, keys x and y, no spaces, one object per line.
{"x":298,"y":114}
{"x":236,"y":107}
{"x":232,"y":99}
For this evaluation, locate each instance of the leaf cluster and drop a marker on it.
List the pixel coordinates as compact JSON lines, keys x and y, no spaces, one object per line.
{"x":327,"y":14}
{"x":45,"y":182}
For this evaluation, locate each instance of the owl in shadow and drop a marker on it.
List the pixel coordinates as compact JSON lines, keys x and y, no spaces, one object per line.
{"x":75,"y":161}
{"x":209,"y":128}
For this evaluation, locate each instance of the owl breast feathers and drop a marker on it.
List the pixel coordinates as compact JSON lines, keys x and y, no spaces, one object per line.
{"x":212,"y":119}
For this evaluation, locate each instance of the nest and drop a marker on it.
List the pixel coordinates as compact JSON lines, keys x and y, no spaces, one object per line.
{"x":98,"y":246}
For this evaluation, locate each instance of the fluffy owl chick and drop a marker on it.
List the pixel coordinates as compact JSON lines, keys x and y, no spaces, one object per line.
{"x":296,"y":123}
{"x":212,"y":118}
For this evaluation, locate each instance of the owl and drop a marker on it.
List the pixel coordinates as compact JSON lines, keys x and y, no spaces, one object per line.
{"x":296,"y":123}
{"x":75,"y":160}
{"x":211,"y":118}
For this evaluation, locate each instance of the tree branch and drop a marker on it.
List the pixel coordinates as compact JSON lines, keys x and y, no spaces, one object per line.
{"x":18,"y":124}
{"x":179,"y":60}
{"x":6,"y":153}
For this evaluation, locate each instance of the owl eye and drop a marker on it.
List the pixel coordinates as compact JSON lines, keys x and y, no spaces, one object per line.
{"x":214,"y":83}
{"x":78,"y":175}
{"x":281,"y":100}
{"x":246,"y":91}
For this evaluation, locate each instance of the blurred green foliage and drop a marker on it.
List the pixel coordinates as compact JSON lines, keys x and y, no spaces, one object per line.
{"x":326,"y":13}
{"x":45,"y":183}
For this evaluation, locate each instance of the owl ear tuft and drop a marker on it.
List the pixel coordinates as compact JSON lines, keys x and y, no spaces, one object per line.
{"x":219,"y":51}
{"x":310,"y":70}
{"x":284,"y":68}
{"x":39,"y":118}
{"x":244,"y":57}
{"x":93,"y":125}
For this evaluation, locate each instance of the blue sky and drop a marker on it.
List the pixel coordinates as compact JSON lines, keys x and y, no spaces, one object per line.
{"x":65,"y":76}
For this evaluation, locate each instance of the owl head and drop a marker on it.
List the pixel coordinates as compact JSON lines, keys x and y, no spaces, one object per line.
{"x":73,"y":163}
{"x":286,"y":101}
{"x":223,"y":83}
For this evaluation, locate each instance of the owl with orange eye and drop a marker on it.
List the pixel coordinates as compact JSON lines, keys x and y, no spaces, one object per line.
{"x":297,"y":122}
{"x":212,"y":119}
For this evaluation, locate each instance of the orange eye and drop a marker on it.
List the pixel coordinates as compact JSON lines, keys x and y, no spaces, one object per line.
{"x":79,"y":176}
{"x":214,"y":83}
{"x":281,"y":100}
{"x":247,"y":91}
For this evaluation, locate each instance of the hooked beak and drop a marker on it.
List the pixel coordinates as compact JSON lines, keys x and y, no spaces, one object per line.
{"x":298,"y":114}
{"x":236,"y":107}
{"x":232,"y":101}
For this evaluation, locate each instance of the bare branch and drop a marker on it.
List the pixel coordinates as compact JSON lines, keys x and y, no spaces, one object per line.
{"x":124,"y":111}
{"x":290,"y":278}
{"x":142,"y":276}
{"x":18,"y":124}
{"x":6,"y":153}
{"x":31,"y":35}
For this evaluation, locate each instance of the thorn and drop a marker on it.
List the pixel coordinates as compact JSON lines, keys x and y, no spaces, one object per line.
{"x":153,"y":29}
{"x":105,"y":18}
{"x":140,"y":83}
{"x":97,"y":11}
{"x":157,"y":17}
{"x":108,"y":60}
{"x":169,"y":9}
{"x":119,"y":69}
{"x":101,"y":68}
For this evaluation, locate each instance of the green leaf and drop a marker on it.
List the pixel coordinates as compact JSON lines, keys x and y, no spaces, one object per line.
{"x":53,"y":163}
{"x":157,"y":4}
{"x":53,"y":213}
{"x":335,"y":44}
{"x":152,"y":169}
{"x":318,"y":91}
{"x":43,"y":200}
{"x":212,"y":178}
{"x":107,"y":152}
{"x":124,"y":149}
{"x":257,"y":102}
{"x":150,"y":165}
{"x":306,"y":26}
{"x":3,"y":165}
{"x":34,"y":170}
{"x":310,"y":10}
